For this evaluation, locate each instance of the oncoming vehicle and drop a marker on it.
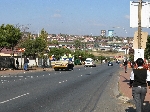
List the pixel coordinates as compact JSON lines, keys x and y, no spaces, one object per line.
{"x":110,"y":63}
{"x":89,"y":62}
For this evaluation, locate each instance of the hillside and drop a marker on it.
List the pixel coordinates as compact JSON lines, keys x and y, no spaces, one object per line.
{"x":110,"y":54}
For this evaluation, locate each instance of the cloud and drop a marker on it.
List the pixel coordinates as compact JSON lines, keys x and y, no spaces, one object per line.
{"x":56,"y":16}
{"x":127,"y":16}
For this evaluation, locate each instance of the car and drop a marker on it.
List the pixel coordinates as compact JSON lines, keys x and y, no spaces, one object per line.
{"x":89,"y":62}
{"x":117,"y":61}
{"x":110,"y":63}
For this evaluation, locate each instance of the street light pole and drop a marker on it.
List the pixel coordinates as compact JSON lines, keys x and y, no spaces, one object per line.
{"x":139,"y":24}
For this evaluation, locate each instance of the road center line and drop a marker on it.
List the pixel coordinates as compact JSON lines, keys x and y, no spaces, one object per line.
{"x":14,"y":98}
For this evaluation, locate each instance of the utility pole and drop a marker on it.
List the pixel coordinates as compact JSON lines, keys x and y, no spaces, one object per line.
{"x":139,"y":24}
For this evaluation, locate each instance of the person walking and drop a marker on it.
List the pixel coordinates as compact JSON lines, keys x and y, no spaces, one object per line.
{"x":139,"y":79}
{"x":17,"y":64}
{"x":133,"y":64}
{"x":25,"y":63}
{"x":125,"y":63}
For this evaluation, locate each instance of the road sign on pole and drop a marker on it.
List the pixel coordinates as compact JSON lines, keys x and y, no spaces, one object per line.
{"x":135,"y":11}
{"x":144,"y":36}
{"x":21,"y":50}
{"x":138,"y":53}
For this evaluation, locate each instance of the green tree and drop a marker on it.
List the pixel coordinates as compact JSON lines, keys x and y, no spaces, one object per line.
{"x":147,"y":49}
{"x":43,"y":34}
{"x":77,"y":44}
{"x":9,"y":36}
{"x":101,"y":58}
{"x":83,"y":55}
{"x":58,"y":52}
{"x":34,"y":46}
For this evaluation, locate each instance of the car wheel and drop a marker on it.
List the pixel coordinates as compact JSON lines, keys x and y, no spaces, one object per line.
{"x":56,"y":69}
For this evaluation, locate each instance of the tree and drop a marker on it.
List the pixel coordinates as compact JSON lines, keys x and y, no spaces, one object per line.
{"x":34,"y":46}
{"x":147,"y":49}
{"x":44,"y":34}
{"x":77,"y":43}
{"x":83,"y":55}
{"x":101,"y":58}
{"x":58,"y":52}
{"x":9,"y":36}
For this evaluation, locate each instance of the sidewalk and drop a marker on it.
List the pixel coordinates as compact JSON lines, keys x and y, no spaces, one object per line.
{"x":124,"y":89}
{"x":14,"y":72}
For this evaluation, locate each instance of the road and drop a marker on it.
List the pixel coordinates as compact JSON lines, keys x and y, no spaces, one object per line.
{"x":85,"y":89}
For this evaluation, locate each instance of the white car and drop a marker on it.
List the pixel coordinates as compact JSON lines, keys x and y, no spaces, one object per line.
{"x":89,"y":62}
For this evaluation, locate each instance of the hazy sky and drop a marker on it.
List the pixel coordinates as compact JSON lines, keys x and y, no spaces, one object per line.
{"x":80,"y":17}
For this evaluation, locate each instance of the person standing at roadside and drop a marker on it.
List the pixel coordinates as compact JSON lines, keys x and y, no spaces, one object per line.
{"x":139,"y":79}
{"x":17,"y":63}
{"x":25,"y":63}
{"x":125,"y":63}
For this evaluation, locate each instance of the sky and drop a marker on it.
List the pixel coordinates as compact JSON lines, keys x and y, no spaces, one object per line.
{"x":73,"y":17}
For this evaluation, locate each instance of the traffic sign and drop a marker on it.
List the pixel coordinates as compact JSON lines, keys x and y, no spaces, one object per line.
{"x":21,"y":49}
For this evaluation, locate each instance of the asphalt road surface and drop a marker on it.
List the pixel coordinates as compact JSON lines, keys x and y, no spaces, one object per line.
{"x":85,"y":89}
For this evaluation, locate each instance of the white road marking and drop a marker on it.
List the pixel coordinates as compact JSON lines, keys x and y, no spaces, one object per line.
{"x":3,"y":80}
{"x":14,"y":98}
{"x":63,"y":81}
{"x":20,"y":76}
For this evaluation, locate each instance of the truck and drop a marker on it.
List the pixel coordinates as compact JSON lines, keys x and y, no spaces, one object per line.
{"x":65,"y":63}
{"x":62,"y":65}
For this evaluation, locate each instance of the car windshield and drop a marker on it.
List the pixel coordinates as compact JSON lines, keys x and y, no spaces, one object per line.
{"x":88,"y":60}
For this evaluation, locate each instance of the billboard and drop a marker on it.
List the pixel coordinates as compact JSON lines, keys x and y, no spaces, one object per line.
{"x":145,"y":14}
{"x":103,"y":32}
{"x":110,"y":33}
